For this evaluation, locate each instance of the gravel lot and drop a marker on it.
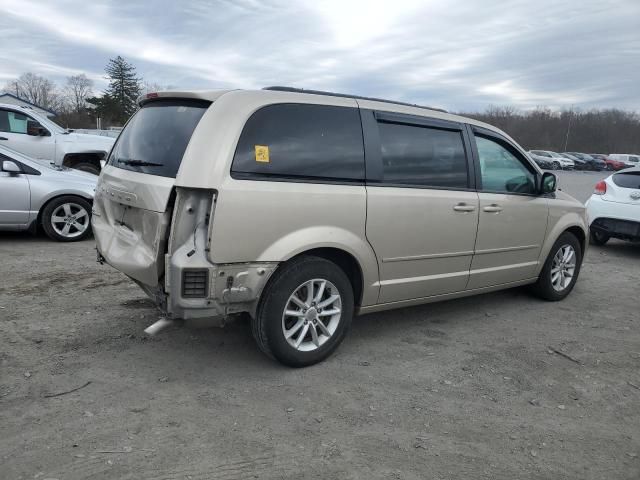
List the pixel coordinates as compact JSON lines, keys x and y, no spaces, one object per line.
{"x":467,"y":389}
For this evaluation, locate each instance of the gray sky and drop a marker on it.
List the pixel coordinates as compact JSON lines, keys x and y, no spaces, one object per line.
{"x":461,"y":55}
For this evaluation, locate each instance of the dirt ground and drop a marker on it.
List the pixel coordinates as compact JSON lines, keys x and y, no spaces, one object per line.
{"x":499,"y":386}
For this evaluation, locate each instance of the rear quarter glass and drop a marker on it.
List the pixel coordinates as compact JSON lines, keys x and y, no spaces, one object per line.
{"x":627,"y":180}
{"x":302,"y":141}
{"x":156,"y":137}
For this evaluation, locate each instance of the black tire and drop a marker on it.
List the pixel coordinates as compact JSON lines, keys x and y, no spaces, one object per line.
{"x":610,"y":168}
{"x":267,"y":326}
{"x":55,"y":204}
{"x":87,"y":167}
{"x":598,"y":238}
{"x":557,"y":166}
{"x":543,"y":288}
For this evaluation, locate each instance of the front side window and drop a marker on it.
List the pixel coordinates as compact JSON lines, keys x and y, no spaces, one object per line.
{"x":501,"y":170}
{"x":13,"y":122}
{"x":423,"y":156}
{"x":310,"y":142}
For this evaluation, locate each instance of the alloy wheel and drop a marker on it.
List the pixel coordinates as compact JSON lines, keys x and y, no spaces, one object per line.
{"x":70,"y":220}
{"x":563,"y":267}
{"x":312,"y":315}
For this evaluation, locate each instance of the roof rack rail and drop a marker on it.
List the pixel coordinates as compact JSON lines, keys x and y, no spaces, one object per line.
{"x":345,"y":95}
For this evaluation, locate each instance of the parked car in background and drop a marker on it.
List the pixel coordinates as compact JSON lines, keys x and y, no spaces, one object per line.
{"x":35,"y":193}
{"x":26,"y":131}
{"x":611,"y":164}
{"x":542,"y":162}
{"x":614,"y":207}
{"x":270,"y":214}
{"x":558,"y":162}
{"x":592,"y":163}
{"x":578,"y":162}
{"x":630,"y":160}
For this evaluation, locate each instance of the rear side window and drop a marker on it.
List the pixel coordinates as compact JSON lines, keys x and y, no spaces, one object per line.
{"x":302,"y":141}
{"x":156,"y":137}
{"x":627,"y":179}
{"x":422,"y":156}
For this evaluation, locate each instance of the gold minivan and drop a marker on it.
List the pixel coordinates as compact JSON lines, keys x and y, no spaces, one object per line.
{"x":303,"y":208}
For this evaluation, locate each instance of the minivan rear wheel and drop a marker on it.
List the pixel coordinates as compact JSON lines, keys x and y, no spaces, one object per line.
{"x":560,"y":271}
{"x":305,"y":312}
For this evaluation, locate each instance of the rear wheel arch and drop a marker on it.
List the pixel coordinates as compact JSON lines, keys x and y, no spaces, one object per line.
{"x":341,"y":258}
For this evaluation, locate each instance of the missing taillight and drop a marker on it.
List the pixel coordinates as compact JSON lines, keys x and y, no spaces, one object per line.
{"x":601,"y":188}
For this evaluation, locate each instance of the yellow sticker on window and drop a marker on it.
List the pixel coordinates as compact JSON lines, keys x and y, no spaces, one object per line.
{"x":262,"y":153}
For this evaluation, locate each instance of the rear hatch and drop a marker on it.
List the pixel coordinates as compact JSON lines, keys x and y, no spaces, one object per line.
{"x":624,"y":187}
{"x":132,"y":206}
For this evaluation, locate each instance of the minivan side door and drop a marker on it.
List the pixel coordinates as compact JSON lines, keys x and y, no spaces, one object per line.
{"x":422,"y":209}
{"x":13,"y":134}
{"x":513,"y":216}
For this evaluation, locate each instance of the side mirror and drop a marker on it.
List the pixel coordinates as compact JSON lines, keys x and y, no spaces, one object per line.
{"x":10,"y":167}
{"x":548,"y":183}
{"x":36,"y":130}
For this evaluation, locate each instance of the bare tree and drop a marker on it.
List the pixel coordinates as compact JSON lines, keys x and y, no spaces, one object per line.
{"x":76,"y":91}
{"x":35,"y":89}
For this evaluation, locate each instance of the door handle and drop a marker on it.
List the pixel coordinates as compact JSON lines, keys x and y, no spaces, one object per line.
{"x":493,"y":208}
{"x":4,"y":138}
{"x":463,"y":207}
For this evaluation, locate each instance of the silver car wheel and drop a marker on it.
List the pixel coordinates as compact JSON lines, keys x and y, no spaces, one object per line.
{"x":563,"y":268}
{"x":70,"y":220}
{"x":312,"y":315}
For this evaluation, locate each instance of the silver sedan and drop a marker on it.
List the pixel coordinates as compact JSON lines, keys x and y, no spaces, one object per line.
{"x":35,"y":193}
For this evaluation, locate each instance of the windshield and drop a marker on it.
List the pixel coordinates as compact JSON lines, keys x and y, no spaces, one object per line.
{"x":155,"y":138}
{"x":56,"y":126}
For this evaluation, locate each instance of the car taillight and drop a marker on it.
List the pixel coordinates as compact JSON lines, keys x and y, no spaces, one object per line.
{"x":601,"y":188}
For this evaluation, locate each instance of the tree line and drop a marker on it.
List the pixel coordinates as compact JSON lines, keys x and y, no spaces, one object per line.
{"x":78,"y":106}
{"x":605,"y":131}
{"x":75,"y":102}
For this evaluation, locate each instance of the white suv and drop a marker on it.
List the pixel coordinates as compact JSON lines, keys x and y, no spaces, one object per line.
{"x":27,"y":132}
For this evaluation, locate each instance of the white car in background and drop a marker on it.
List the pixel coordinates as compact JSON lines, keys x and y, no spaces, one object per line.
{"x":614,"y":207}
{"x":24,"y":130}
{"x":557,"y":161}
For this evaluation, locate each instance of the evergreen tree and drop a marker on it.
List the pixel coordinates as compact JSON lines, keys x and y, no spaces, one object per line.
{"x":124,"y":89}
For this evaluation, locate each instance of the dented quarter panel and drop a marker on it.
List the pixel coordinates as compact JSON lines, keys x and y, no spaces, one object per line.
{"x":274,"y":221}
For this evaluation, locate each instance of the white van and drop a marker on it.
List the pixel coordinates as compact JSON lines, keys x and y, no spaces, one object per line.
{"x":304,"y":208}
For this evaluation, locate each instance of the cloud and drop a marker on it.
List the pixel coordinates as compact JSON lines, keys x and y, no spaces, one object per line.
{"x":460,"y":56}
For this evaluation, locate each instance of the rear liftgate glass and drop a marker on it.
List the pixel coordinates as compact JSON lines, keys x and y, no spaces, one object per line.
{"x":155,"y":139}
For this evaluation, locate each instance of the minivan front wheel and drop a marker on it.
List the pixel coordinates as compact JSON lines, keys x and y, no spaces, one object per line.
{"x":560,"y":271}
{"x":305,"y":312}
